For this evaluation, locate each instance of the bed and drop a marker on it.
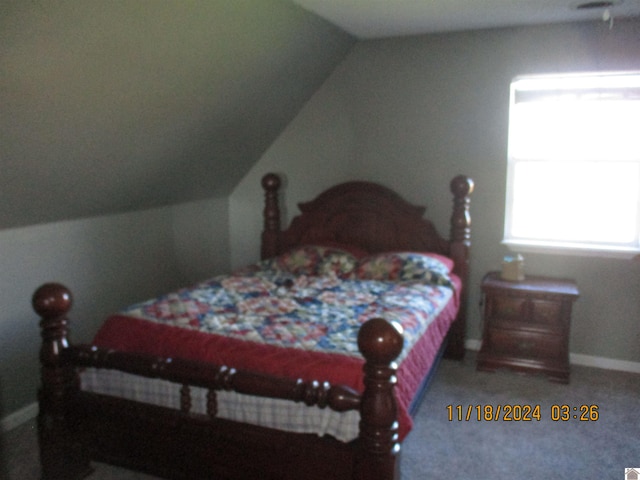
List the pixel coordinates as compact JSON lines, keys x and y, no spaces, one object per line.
{"x":357,"y":298}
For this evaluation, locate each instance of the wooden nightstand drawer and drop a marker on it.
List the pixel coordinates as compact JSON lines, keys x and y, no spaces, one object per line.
{"x":507,"y":308}
{"x":508,"y":343}
{"x":547,"y":312}
{"x":535,"y":313}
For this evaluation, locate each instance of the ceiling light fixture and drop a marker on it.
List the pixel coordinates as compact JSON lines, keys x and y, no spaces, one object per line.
{"x":606,"y":13}
{"x":592,"y":5}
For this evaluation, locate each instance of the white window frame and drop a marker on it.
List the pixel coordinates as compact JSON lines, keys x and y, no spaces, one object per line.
{"x":581,"y":216}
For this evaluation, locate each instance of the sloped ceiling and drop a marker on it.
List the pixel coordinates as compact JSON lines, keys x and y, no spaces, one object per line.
{"x":121,"y":105}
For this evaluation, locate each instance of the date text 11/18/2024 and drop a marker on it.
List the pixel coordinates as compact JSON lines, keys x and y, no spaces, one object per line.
{"x":521,"y":413}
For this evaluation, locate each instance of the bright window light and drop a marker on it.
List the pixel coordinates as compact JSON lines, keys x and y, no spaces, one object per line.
{"x":573,"y":175}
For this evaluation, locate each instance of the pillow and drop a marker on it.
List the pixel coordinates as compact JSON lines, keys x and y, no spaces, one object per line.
{"x":405,"y":266}
{"x":357,"y":252}
{"x":446,"y":261}
{"x":317,"y":260}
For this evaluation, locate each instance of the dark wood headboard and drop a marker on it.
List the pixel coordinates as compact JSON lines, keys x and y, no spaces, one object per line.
{"x":376,"y":219}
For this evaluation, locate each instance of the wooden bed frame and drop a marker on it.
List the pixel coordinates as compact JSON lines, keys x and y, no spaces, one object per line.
{"x":75,"y":427}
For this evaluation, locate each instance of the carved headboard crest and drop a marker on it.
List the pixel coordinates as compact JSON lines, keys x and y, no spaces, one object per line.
{"x":366,"y":215}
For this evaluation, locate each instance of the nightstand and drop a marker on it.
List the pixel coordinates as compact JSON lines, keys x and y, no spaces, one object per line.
{"x":527,"y":324}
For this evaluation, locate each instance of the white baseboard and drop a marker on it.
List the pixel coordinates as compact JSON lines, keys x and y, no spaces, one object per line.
{"x":19,"y":417}
{"x":606,"y":363}
{"x":581,"y":359}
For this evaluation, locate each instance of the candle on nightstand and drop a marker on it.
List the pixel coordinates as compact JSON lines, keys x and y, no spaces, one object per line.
{"x":513,"y":268}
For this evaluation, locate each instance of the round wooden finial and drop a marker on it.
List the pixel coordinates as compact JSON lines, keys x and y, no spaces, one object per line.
{"x":380,"y":341}
{"x":461,"y":186}
{"x":271,"y":181}
{"x":52,"y":300}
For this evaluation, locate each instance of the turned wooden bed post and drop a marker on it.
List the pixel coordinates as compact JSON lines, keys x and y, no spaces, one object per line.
{"x":271,"y":233}
{"x":60,"y":455}
{"x":460,"y":241}
{"x":380,"y":342}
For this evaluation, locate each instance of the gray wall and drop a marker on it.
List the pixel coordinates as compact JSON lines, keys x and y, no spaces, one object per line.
{"x":122,"y":106}
{"x":108,"y":262}
{"x":314,"y":152}
{"x":416,"y":111}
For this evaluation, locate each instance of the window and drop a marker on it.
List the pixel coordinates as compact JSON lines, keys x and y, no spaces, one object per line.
{"x":573,"y":174}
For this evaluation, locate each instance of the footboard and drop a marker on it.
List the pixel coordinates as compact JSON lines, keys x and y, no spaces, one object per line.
{"x":75,"y":427}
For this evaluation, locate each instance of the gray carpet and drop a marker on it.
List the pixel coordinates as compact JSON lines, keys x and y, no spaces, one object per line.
{"x":598,"y":450}
{"x":438,"y":448}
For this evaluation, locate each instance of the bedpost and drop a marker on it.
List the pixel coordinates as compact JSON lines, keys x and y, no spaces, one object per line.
{"x":380,"y":342}
{"x":60,"y":457}
{"x":460,"y":242}
{"x":271,"y":232}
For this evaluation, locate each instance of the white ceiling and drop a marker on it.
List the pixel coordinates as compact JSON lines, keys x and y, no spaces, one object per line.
{"x":386,"y":18}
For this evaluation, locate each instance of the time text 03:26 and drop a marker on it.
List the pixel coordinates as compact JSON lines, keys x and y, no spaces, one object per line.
{"x":521,"y":413}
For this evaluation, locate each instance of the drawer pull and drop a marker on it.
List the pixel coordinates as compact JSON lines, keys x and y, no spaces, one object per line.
{"x":526,"y":345}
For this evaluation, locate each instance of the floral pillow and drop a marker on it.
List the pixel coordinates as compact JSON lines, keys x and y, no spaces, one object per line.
{"x":405,"y":266}
{"x":316,"y":260}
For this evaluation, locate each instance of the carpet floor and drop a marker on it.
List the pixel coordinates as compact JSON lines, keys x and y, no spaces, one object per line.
{"x":441,"y":446}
